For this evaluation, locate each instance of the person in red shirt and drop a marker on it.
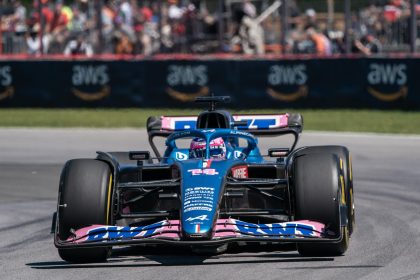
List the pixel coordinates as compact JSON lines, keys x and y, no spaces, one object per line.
{"x":59,"y":19}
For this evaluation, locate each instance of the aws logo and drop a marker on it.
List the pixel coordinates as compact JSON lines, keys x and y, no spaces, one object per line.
{"x":291,"y":78}
{"x":6,"y":88}
{"x":387,"y":76}
{"x":186,"y":82}
{"x":90,"y":82}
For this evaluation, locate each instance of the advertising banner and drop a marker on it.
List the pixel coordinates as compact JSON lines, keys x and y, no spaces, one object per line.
{"x":379,"y":83}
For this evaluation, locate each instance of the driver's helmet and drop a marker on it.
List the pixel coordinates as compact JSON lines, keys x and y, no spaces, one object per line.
{"x":217,"y":148}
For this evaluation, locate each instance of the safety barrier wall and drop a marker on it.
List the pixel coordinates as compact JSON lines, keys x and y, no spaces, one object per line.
{"x":258,"y":83}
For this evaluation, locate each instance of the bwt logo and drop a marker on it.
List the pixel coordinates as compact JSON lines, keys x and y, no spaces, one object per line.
{"x":90,"y":75}
{"x":287,"y":75}
{"x":187,"y":75}
{"x":6,"y":76}
{"x":388,"y":75}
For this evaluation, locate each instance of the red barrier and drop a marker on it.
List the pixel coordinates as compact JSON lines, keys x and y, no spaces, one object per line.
{"x":182,"y":56}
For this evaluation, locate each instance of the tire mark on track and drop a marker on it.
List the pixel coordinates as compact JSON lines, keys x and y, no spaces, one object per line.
{"x":40,"y":235}
{"x":24,"y":224}
{"x":391,"y":196}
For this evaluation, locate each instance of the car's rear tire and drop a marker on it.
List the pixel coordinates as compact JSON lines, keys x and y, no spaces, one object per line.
{"x":343,"y":153}
{"x":318,"y":195}
{"x":85,"y":196}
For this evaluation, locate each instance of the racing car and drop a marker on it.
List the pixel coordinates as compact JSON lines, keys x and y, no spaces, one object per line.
{"x":211,"y":189}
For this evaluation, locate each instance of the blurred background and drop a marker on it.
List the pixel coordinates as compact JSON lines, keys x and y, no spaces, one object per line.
{"x":136,"y":27}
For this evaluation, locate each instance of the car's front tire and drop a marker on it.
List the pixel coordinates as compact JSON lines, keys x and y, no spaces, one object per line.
{"x":85,"y":196}
{"x":344,"y":154}
{"x":318,"y":195}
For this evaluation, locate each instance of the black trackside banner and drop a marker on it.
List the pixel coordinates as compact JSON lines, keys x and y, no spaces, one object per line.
{"x":307,"y":83}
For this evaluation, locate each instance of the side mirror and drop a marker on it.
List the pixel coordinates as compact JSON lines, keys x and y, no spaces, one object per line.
{"x":278,"y":152}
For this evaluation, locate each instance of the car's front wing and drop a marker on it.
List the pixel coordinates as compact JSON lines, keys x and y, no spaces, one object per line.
{"x":169,"y":232}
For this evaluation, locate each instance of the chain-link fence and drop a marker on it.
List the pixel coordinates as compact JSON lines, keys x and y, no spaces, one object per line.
{"x":135,"y":27}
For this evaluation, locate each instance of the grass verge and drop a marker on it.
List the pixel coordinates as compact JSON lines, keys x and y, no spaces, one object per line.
{"x":325,"y":120}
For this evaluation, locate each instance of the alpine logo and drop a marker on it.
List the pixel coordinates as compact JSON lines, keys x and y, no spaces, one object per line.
{"x":201,"y":218}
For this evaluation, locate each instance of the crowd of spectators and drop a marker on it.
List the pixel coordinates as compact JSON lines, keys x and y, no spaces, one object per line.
{"x":176,"y":26}
{"x":379,"y":26}
{"x":127,"y":27}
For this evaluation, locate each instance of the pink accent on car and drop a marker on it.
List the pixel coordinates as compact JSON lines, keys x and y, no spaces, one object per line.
{"x":168,"y":123}
{"x":171,"y":229}
{"x":282,"y":120}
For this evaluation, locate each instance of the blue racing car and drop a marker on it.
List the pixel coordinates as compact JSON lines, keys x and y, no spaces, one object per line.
{"x":211,"y":188}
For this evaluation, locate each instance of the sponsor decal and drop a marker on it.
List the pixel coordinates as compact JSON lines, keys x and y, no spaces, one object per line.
{"x":198,"y":198}
{"x":207,"y":163}
{"x":263,"y":121}
{"x":209,"y":131}
{"x":238,"y":155}
{"x":187,"y":97}
{"x":237,"y":132}
{"x":253,"y":122}
{"x":390,"y":76}
{"x":223,"y":228}
{"x":6,"y":88}
{"x":197,"y":171}
{"x":93,"y":96}
{"x":287,"y":77}
{"x":116,"y":232}
{"x":90,"y":82}
{"x":184,"y":133}
{"x":187,"y":82}
{"x":288,"y":97}
{"x":240,"y":172}
{"x":286,"y":229}
{"x":200,"y":218}
{"x":181,"y":156}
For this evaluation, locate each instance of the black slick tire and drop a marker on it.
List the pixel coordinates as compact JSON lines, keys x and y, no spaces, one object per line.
{"x":85,"y":196}
{"x":344,"y":154}
{"x":317,"y":190}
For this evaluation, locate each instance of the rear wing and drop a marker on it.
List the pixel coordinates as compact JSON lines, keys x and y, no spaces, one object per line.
{"x":258,"y":125}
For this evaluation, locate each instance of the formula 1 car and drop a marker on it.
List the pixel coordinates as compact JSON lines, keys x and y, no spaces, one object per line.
{"x":217,"y":192}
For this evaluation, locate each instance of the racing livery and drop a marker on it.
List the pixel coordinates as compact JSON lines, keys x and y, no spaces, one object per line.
{"x":217,"y":191}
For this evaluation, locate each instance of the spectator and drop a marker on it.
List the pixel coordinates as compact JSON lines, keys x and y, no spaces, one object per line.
{"x":310,"y":19}
{"x":19,"y":17}
{"x":321,"y":42}
{"x":78,"y":46}
{"x":126,"y":13}
{"x":33,"y":41}
{"x":79,"y":20}
{"x":174,"y":11}
{"x":368,"y":45}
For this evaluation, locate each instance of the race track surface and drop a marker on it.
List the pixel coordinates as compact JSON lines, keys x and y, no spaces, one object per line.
{"x":385,"y":245}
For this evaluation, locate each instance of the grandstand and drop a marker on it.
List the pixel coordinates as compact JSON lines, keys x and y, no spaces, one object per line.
{"x":136,"y":27}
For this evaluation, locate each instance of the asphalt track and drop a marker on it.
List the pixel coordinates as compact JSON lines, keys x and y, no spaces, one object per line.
{"x":385,"y":245}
